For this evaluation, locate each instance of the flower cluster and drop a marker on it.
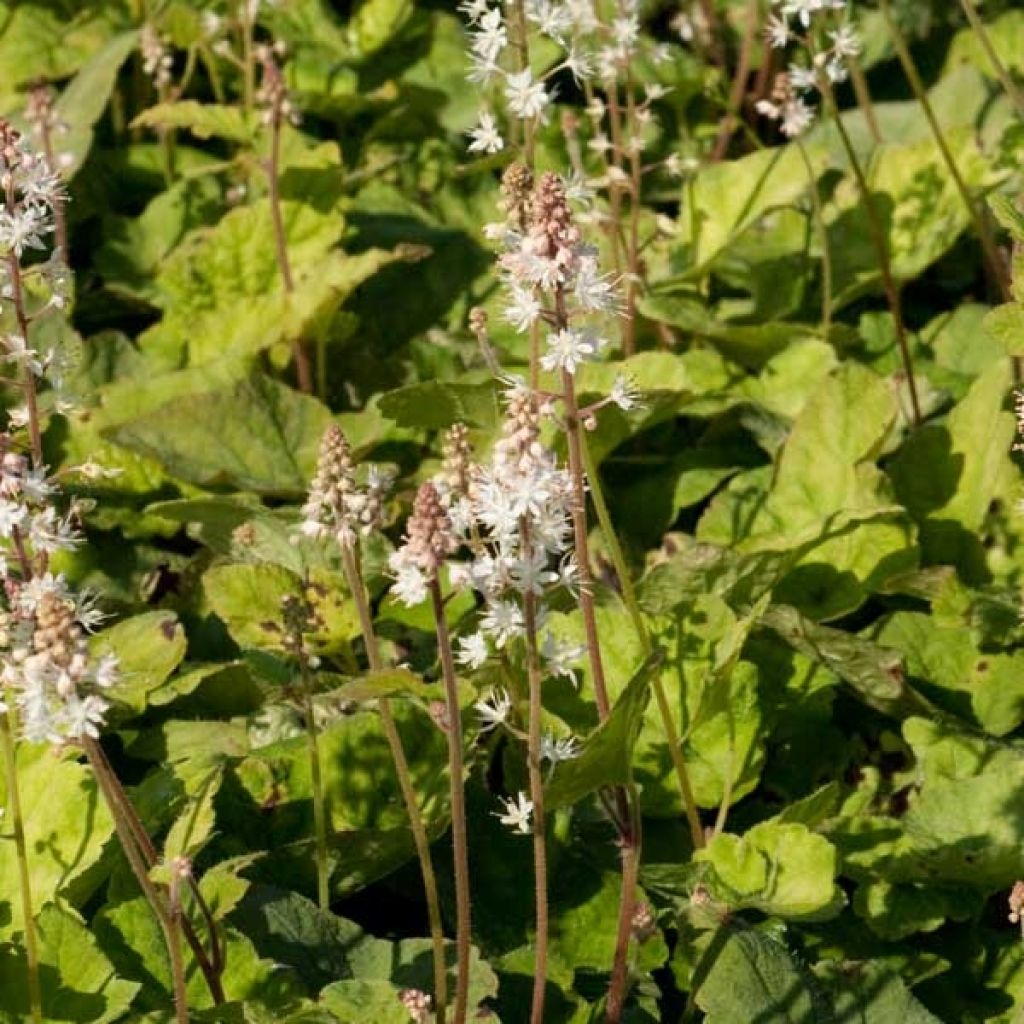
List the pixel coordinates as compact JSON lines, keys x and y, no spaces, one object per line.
{"x":47,"y":665}
{"x":552,"y":277}
{"x":272,"y":95}
{"x":429,"y":539}
{"x":157,"y":59}
{"x":339,"y":506}
{"x":56,"y":682}
{"x":30,"y":194}
{"x":795,"y":23}
{"x":47,"y":124}
{"x":593,"y":50}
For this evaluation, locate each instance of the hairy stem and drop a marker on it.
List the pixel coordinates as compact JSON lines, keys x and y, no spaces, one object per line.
{"x":1004,"y":76}
{"x":822,"y":232}
{"x":137,"y":862}
{"x":211,"y":966}
{"x":303,"y":369}
{"x":633,"y":607}
{"x":881,"y":245}
{"x":460,"y":844}
{"x":617,"y":988}
{"x":323,"y":868}
{"x":863,"y":94}
{"x":174,"y":919}
{"x":533,"y":761}
{"x":35,"y":1000}
{"x":28,"y":379}
{"x":354,"y":577}
{"x":978,"y":220}
{"x":739,"y":82}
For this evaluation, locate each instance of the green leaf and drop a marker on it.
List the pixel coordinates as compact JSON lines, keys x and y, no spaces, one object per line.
{"x":78,"y":982}
{"x":260,"y":435}
{"x":376,"y":23}
{"x":203,"y":120}
{"x":828,"y":494}
{"x":248,"y":598}
{"x":606,"y":755}
{"x":871,"y":993}
{"x":434,"y":405}
{"x":82,"y":103}
{"x":222,"y":288}
{"x":785,"y":870}
{"x":968,"y":467}
{"x":752,"y":977}
{"x":874,"y":672}
{"x":1006,"y":324}
{"x":66,"y":826}
{"x":320,"y":946}
{"x":357,"y":1000}
{"x":148,"y":649}
{"x":750,"y":345}
{"x":193,"y":828}
{"x":727,"y":197}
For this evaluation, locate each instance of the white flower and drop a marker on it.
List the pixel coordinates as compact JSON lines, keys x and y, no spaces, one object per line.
{"x":12,"y":515}
{"x":503,"y":620}
{"x":485,"y":136}
{"x":410,"y":586}
{"x":580,"y":65}
{"x":526,"y":98}
{"x":474,"y":10}
{"x":595,"y":292}
{"x":18,"y":352}
{"x":778,"y":33}
{"x":802,"y":79}
{"x":568,"y":348}
{"x":523,"y":308}
{"x":491,"y":36}
{"x":845,"y":42}
{"x":83,"y":716}
{"x":493,"y":710}
{"x":24,"y":229}
{"x":560,"y":656}
{"x":530,"y":573}
{"x":551,"y":19}
{"x":472,"y":650}
{"x":563,"y":748}
{"x":624,"y":393}
{"x":517,"y":813}
{"x":626,"y":32}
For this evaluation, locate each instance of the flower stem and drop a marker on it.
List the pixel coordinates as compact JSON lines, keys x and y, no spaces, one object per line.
{"x":822,"y":230}
{"x":533,"y":761}
{"x":863,"y":94}
{"x":739,"y":82}
{"x":881,"y":246}
{"x":114,"y":793}
{"x":137,"y":862}
{"x":626,"y":817}
{"x":633,"y":607}
{"x":354,"y":577}
{"x":627,"y":908}
{"x":981,"y":225}
{"x":458,"y":800}
{"x":28,"y":379}
{"x":302,"y":368}
{"x":35,"y":1000}
{"x":1004,"y":76}
{"x":323,"y":870}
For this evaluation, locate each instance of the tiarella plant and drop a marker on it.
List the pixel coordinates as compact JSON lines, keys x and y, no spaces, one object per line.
{"x":542,"y":546}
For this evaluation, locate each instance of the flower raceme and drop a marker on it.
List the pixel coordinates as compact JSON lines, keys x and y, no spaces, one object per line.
{"x":795,"y":22}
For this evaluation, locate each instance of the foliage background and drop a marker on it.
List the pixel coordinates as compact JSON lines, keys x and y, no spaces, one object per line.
{"x":837,"y":594}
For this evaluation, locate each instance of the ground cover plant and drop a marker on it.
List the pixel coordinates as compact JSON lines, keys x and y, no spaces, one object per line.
{"x":511,"y":511}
